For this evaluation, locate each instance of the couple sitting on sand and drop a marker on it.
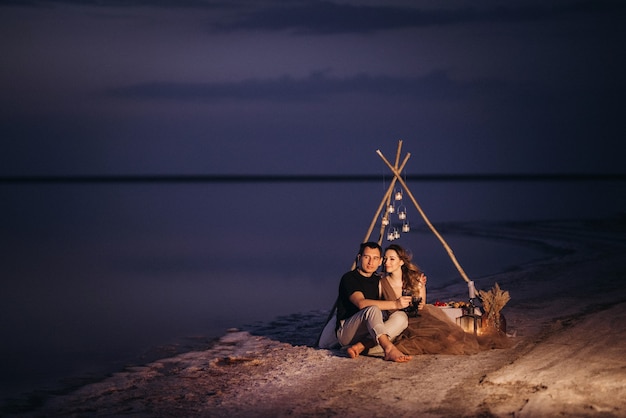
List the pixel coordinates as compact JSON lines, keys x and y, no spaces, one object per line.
{"x":371,"y":317}
{"x":370,"y":308}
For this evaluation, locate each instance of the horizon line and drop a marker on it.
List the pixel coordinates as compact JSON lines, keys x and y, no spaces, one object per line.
{"x":302,"y":178}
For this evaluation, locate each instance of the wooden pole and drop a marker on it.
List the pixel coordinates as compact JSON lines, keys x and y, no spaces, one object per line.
{"x":397,"y":175}
{"x":378,"y":211}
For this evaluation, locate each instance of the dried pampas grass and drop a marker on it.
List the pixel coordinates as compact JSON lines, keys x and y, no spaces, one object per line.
{"x":493,"y":301}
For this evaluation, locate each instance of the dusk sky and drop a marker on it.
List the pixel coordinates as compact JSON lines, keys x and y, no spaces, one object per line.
{"x":311,"y":87}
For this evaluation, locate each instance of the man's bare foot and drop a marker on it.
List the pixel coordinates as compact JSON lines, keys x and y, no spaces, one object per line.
{"x":393,"y":354}
{"x":355,"y":350}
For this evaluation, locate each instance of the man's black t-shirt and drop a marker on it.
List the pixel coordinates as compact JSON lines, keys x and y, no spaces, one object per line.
{"x":352,"y":282}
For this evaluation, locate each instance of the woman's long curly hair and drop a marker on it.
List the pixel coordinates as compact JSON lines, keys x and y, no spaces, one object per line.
{"x":410,"y":271}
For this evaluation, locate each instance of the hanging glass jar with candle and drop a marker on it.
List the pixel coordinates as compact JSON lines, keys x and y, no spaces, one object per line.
{"x":398,"y":194}
{"x":402,"y":212}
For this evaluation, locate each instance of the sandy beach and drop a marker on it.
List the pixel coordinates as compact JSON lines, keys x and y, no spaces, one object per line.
{"x":567,"y":318}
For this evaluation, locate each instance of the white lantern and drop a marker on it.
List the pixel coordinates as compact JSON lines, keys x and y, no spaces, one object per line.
{"x":398,"y":195}
{"x":470,"y":322}
{"x":406,"y":227}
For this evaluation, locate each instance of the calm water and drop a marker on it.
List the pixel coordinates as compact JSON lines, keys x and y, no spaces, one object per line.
{"x":94,"y":275}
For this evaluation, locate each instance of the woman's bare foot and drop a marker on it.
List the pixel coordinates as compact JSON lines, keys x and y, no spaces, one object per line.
{"x":393,"y":354}
{"x":355,"y":350}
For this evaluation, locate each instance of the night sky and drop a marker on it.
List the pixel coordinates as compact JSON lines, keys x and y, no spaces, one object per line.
{"x":171,"y":87}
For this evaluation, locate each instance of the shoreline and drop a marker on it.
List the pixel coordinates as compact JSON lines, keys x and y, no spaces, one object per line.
{"x":276,"y":357}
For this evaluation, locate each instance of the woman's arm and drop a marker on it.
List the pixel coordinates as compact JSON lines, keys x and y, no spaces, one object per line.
{"x":421,"y":289}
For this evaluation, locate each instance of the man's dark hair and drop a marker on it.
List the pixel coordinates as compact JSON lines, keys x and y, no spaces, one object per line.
{"x":370,"y":244}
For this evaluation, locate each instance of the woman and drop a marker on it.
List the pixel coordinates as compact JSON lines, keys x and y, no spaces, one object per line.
{"x":431,"y":331}
{"x":402,"y":276}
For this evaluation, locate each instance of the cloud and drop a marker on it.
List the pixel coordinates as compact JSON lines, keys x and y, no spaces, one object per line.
{"x":118,"y":3}
{"x":325,"y":17}
{"x":328,"y":17}
{"x":320,"y":86}
{"x":316,"y":86}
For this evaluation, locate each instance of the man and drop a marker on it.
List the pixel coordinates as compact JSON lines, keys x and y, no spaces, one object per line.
{"x":361,"y":322}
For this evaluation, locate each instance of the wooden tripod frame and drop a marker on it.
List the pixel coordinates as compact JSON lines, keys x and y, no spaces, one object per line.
{"x":397,"y":170}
